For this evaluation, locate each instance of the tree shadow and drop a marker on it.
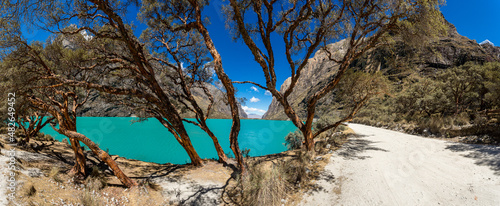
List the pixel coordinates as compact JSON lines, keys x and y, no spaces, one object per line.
{"x":202,"y":197}
{"x":484,"y":155}
{"x":356,"y":146}
{"x":166,"y":170}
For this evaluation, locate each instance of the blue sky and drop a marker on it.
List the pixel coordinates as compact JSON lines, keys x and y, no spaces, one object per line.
{"x":478,"y":20}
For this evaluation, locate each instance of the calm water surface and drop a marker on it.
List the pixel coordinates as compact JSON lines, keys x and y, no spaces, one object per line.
{"x":150,"y":141}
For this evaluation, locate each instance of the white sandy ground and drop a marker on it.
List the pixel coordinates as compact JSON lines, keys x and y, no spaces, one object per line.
{"x":189,"y":192}
{"x":3,"y":179}
{"x":202,"y":186}
{"x":383,"y":167}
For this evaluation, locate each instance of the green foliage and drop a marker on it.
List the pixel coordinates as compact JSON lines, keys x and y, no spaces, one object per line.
{"x":492,"y":84}
{"x":462,"y":85}
{"x":435,"y":103}
{"x":422,"y":95}
{"x":423,"y":24}
{"x":294,"y":140}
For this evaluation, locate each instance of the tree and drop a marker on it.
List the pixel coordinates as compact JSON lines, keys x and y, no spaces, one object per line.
{"x":305,"y":25}
{"x":31,"y":121}
{"x":27,"y":117}
{"x":421,"y":95}
{"x":184,"y":53}
{"x":492,"y":84}
{"x":186,"y":16}
{"x":41,"y":68}
{"x":461,"y":84}
{"x":123,"y":56}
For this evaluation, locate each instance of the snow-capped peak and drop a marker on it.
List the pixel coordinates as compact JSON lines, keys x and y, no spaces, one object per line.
{"x":86,"y":35}
{"x":487,"y":42}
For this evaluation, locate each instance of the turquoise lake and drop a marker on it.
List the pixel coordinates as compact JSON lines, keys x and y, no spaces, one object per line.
{"x":151,"y":142}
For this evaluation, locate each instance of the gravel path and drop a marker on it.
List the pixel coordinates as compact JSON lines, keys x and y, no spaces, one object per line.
{"x":383,"y":167}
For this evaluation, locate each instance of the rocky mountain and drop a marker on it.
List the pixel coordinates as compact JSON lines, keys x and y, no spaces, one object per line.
{"x":396,"y":59}
{"x":99,"y":106}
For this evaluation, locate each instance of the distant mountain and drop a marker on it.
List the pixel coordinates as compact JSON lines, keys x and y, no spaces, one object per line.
{"x":447,"y":51}
{"x":98,"y":106}
{"x":254,"y":116}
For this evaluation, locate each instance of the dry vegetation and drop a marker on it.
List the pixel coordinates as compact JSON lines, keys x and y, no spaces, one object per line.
{"x":281,"y":179}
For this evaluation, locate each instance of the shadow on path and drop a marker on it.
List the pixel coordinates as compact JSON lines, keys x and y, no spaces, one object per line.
{"x":484,"y":155}
{"x":354,"y":148}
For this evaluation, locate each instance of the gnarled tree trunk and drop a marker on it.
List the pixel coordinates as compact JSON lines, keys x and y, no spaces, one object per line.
{"x":102,"y":155}
{"x":228,"y":85}
{"x":220,"y":152}
{"x":80,"y":161}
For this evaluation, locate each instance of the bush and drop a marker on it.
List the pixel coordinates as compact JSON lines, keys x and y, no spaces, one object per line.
{"x":264,"y":187}
{"x":296,"y":168}
{"x":96,"y":180}
{"x":294,"y":140}
{"x":54,"y":174}
{"x":267,"y":183}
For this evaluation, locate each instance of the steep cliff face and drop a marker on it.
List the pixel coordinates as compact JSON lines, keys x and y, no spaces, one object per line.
{"x":398,"y":58}
{"x":315,"y":74}
{"x":98,"y":106}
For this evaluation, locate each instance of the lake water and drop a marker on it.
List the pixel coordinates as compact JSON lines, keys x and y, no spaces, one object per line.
{"x":151,"y":142}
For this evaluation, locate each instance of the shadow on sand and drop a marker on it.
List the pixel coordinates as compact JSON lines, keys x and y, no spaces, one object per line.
{"x":483,"y":155}
{"x":356,"y":146}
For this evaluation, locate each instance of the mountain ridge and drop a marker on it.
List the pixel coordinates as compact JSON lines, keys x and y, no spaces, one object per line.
{"x":445,"y":52}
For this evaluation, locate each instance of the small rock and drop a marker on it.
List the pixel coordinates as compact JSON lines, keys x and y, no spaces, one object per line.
{"x":319,"y":158}
{"x":328,"y":146}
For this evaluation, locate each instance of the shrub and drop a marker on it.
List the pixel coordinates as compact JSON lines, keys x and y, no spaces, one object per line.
{"x":296,"y":168}
{"x":264,"y":186}
{"x":54,"y":174}
{"x":294,"y":140}
{"x":245,"y":153}
{"x":267,"y":183}
{"x":96,"y":180}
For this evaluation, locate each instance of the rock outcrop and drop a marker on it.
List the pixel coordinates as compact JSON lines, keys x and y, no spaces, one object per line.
{"x":100,"y":106}
{"x":446,"y":51}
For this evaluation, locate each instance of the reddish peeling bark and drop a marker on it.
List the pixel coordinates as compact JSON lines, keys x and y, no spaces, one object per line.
{"x":102,"y":155}
{"x":66,"y":116}
{"x":228,"y":85}
{"x":80,"y":161}
{"x":143,"y":70}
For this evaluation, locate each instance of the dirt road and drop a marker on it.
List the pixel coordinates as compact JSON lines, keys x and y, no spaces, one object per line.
{"x":383,"y":167}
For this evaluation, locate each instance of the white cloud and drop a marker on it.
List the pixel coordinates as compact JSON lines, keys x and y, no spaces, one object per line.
{"x":254,"y":89}
{"x":253,"y":99}
{"x":267,"y":93}
{"x":253,"y":110}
